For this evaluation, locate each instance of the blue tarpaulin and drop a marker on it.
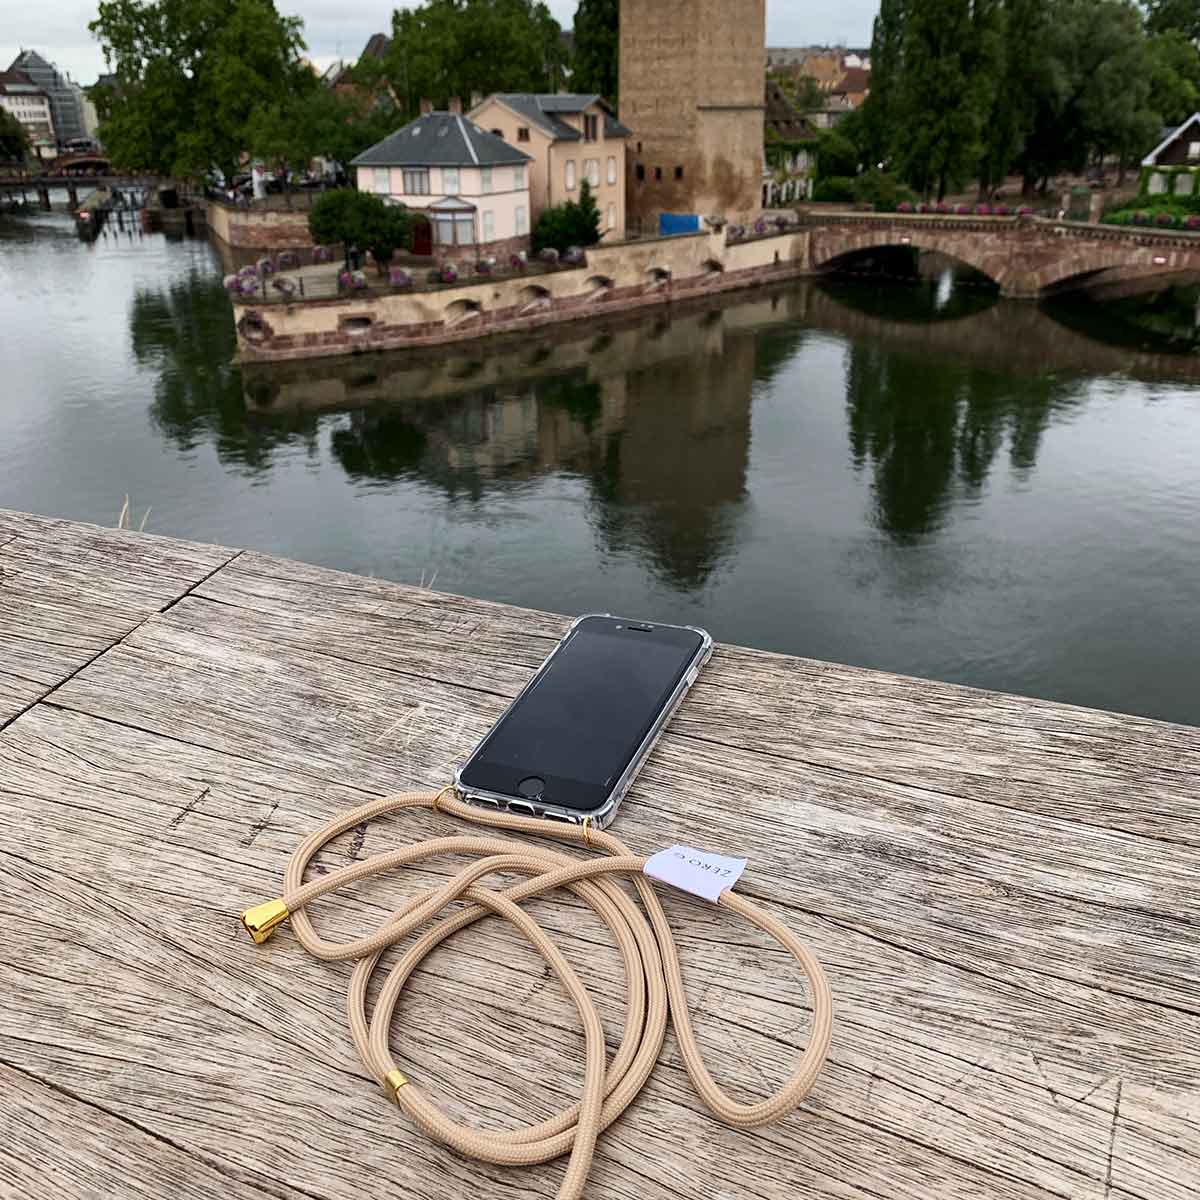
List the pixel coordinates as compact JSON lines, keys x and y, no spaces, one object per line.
{"x":672,"y":224}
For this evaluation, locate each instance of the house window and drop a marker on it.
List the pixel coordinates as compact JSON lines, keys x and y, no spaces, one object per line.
{"x":450,"y":182}
{"x":641,"y":173}
{"x":612,"y":170}
{"x":570,"y":174}
{"x":678,"y":172}
{"x":1193,"y":151}
{"x":498,"y":133}
{"x":591,"y":171}
{"x":523,"y":134}
{"x":591,"y":128}
{"x":519,"y":178}
{"x":522,"y":220}
{"x":416,"y":182}
{"x":489,"y":226}
{"x":612,"y":216}
{"x":383,"y":181}
{"x":485,"y":180}
{"x":456,"y":230}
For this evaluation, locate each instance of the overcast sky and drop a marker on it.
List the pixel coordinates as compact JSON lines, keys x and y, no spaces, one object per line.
{"x":58,"y":29}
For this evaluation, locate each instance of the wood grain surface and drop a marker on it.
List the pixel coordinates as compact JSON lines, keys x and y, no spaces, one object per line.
{"x":1004,"y":892}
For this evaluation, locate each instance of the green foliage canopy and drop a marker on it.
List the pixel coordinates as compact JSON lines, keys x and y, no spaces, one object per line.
{"x":189,"y":75}
{"x":964,"y":88}
{"x":447,"y":48}
{"x":362,"y":220}
{"x":14,"y":140}
{"x":576,"y":223}
{"x":597,"y":48}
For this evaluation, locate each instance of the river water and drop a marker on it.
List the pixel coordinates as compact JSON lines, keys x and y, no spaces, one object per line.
{"x":915,"y":478}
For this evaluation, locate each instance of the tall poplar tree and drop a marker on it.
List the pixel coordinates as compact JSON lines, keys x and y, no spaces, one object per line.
{"x":598,"y":48}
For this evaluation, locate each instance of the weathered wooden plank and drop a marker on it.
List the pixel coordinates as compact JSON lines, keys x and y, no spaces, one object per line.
{"x":898,"y":1093}
{"x":1008,"y":920}
{"x":103,"y":1156}
{"x":68,"y":592}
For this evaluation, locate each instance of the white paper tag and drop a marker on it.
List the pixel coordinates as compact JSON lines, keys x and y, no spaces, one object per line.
{"x":697,"y":871}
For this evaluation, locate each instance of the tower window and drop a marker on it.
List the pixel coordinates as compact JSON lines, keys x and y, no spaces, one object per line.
{"x":678,"y":172}
{"x":658,"y":174}
{"x":641,"y":173}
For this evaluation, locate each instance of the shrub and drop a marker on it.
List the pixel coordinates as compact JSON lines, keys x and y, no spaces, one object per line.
{"x":363,"y":220}
{"x":983,"y":210}
{"x":517,"y":263}
{"x":449,"y":273}
{"x":837,"y":157}
{"x":760,"y":227}
{"x":1193,"y":222}
{"x":904,"y":206}
{"x":943,"y":207}
{"x":399,"y":277}
{"x":1165,"y":220}
{"x":549,"y":256}
{"x":880,"y":189}
{"x":576,"y":223}
{"x":835,"y":189}
{"x":344,"y":279}
{"x":1024,"y":211}
{"x":1002,"y":210}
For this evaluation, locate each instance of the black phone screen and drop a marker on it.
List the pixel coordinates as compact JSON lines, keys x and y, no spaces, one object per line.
{"x":572,"y":735}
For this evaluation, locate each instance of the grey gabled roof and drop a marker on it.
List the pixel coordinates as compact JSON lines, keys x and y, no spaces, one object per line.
{"x":542,"y":110}
{"x":1169,"y":135}
{"x":441,"y":139}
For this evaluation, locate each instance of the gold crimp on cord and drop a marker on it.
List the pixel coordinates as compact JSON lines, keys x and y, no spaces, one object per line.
{"x":262,"y":920}
{"x":394,"y":1081}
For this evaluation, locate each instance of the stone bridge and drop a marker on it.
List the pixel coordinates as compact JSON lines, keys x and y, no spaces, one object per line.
{"x":1025,"y":256}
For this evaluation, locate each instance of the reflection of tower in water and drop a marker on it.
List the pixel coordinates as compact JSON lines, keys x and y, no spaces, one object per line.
{"x":673,"y":483}
{"x":656,"y":419}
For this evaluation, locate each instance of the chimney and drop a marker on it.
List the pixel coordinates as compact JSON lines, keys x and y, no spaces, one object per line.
{"x":426,"y":107}
{"x":455,"y":105}
{"x":476,"y":100}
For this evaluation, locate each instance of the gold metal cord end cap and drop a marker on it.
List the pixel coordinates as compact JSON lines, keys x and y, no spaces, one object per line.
{"x":262,"y":920}
{"x":394,"y":1081}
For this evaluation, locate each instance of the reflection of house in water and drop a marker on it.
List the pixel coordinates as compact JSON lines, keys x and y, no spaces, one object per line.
{"x":655,"y":416}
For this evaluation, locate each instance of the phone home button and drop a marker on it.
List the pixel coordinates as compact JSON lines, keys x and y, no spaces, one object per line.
{"x":531,"y":788}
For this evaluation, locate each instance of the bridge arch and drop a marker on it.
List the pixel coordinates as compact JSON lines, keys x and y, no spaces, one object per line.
{"x":831,"y":251}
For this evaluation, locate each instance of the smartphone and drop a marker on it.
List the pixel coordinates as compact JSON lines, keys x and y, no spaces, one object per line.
{"x":572,"y":742}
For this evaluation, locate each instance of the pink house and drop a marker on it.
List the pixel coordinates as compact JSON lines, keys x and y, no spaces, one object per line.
{"x":473,"y":186}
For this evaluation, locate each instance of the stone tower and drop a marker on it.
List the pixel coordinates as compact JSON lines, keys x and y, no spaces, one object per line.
{"x":693,"y":82}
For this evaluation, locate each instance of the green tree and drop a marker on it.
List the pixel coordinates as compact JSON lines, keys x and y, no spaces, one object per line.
{"x":597,"y":48}
{"x":881,"y":110}
{"x":189,"y":75}
{"x":576,"y":223}
{"x":802,"y":90}
{"x":952,"y":53}
{"x":363,"y":220}
{"x":447,"y":48}
{"x":1166,"y":16}
{"x":1092,"y":90}
{"x":837,"y":156}
{"x":14,"y":140}
{"x":1174,"y":77}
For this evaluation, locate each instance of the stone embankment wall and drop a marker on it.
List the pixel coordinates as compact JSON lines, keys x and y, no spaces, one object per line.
{"x":265,"y":229}
{"x":620,"y":277}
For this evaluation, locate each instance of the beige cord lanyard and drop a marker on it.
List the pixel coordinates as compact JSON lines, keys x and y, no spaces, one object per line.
{"x":653,"y":977}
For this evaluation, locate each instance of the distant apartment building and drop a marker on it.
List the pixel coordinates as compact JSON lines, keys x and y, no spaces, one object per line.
{"x":65,"y":97}
{"x":570,"y":138}
{"x":472,"y":185}
{"x":692,"y":94}
{"x":21,"y":97}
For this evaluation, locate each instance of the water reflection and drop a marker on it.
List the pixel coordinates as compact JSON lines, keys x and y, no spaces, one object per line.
{"x":655,"y":414}
{"x":931,"y":438}
{"x":184,"y":334}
